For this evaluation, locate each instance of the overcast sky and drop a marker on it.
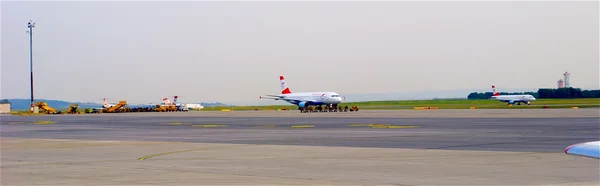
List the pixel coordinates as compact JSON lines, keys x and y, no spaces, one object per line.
{"x":235,"y":51}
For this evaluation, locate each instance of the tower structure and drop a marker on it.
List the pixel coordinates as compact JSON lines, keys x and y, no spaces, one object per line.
{"x":567,"y":83}
{"x":31,"y":25}
{"x":561,"y":83}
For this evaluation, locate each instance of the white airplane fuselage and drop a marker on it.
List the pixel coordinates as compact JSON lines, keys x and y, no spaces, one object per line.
{"x":193,"y":106}
{"x":304,"y":99}
{"x":312,"y":98}
{"x":512,"y":99}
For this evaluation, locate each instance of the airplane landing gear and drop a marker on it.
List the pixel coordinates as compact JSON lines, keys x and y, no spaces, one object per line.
{"x":310,"y":108}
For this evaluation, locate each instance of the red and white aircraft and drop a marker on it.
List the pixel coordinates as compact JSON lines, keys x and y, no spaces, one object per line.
{"x":304,"y":99}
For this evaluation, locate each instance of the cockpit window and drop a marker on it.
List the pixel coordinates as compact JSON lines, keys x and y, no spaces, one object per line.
{"x":335,"y":96}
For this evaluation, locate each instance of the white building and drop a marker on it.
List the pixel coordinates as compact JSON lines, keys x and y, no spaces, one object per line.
{"x":4,"y":107}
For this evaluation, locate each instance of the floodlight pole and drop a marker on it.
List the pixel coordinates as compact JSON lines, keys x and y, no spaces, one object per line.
{"x":31,"y":25}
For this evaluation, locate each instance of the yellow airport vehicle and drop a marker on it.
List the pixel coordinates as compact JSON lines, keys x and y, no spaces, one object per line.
{"x":73,"y":109}
{"x":116,"y":108}
{"x":47,"y":109}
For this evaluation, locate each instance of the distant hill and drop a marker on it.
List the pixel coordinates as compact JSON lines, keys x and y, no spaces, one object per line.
{"x":58,"y":104}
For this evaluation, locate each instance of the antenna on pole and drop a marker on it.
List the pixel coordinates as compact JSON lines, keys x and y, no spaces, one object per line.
{"x":31,"y":25}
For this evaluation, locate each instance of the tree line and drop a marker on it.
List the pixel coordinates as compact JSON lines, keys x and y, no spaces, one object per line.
{"x":545,"y":93}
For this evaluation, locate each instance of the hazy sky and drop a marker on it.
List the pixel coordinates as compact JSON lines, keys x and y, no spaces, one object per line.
{"x":235,"y":51}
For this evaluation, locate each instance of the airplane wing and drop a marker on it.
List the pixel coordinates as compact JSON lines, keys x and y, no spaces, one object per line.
{"x":271,"y":96}
{"x":292,"y":101}
{"x":587,"y":149}
{"x":261,"y":97}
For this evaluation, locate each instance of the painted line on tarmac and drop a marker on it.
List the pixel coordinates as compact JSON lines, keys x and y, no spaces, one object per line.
{"x":44,"y":122}
{"x":180,"y":151}
{"x":178,"y":123}
{"x":35,"y":122}
{"x":209,"y":125}
{"x":367,"y":125}
{"x":394,"y":127}
{"x":303,"y":126}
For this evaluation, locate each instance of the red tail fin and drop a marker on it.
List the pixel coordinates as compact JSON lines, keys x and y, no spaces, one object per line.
{"x":494,"y":91}
{"x":284,"y":88}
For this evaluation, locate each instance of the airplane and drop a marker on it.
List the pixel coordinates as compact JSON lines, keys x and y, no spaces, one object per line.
{"x":511,"y":99}
{"x":106,"y":104}
{"x":586,"y":149}
{"x":184,"y":105}
{"x":193,"y":106}
{"x":304,"y":99}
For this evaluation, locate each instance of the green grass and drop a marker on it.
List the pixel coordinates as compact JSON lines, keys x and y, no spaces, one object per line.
{"x":440,"y":104}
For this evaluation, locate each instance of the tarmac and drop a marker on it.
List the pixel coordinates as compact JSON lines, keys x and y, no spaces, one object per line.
{"x":429,"y":147}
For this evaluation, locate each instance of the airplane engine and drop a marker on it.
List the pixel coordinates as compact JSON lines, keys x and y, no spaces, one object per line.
{"x":302,"y":104}
{"x":511,"y":101}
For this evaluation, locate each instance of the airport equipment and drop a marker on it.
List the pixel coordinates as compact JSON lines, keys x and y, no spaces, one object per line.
{"x":160,"y":108}
{"x":47,"y":109}
{"x":171,"y":108}
{"x":167,"y":106}
{"x":326,"y":109}
{"x":73,"y":109}
{"x":183,"y":108}
{"x":117,"y":108}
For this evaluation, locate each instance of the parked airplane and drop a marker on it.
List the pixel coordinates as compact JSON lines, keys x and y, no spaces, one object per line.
{"x":186,"y":105}
{"x":106,"y":104}
{"x":511,"y":99}
{"x":304,"y":99}
{"x":193,"y":106}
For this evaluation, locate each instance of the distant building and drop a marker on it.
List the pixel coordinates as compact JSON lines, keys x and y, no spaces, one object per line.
{"x":561,"y":84}
{"x":567,"y":83}
{"x":4,"y":107}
